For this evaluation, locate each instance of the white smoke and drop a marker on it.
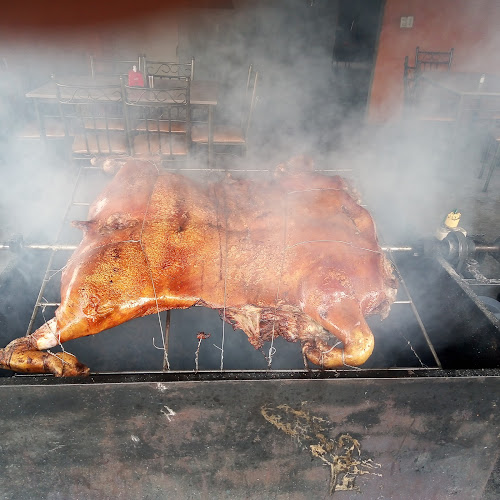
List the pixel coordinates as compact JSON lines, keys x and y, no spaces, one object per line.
{"x":307,"y":104}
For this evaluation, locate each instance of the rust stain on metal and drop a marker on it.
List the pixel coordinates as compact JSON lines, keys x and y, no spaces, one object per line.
{"x":342,"y":454}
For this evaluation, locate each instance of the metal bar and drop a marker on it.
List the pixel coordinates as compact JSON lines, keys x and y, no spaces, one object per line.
{"x":241,"y":170}
{"x":40,"y":295}
{"x":55,"y":248}
{"x":63,"y":247}
{"x":166,"y":364}
{"x":215,"y":375}
{"x":397,"y":249}
{"x":51,"y":258}
{"x":418,"y":318}
{"x":466,"y":288}
{"x":487,"y":248}
{"x":488,"y":282}
{"x":389,"y":249}
{"x":210,"y":136}
{"x":37,"y":246}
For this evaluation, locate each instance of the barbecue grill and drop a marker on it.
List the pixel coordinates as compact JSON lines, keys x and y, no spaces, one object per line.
{"x":424,"y":330}
{"x":435,"y":357}
{"x":418,"y":420}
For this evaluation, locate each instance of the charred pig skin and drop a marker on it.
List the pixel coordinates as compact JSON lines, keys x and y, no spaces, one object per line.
{"x":294,"y":255}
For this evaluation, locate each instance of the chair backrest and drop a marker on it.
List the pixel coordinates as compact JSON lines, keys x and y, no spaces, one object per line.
{"x":432,"y":60}
{"x":164,"y":69}
{"x":114,"y":67}
{"x":159,"y":111}
{"x":91,"y":113}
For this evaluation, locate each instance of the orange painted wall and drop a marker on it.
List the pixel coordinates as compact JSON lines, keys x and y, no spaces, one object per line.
{"x":472,"y":27}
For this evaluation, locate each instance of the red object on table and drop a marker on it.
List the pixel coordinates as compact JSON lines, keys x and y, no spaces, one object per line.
{"x":135,"y":79}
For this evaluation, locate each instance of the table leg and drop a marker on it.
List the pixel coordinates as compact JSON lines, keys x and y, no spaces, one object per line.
{"x":210,"y":136}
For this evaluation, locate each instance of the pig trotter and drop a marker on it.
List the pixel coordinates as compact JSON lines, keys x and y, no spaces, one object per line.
{"x":21,"y":357}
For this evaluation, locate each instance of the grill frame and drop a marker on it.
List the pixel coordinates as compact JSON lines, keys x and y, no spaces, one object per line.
{"x":459,"y":290}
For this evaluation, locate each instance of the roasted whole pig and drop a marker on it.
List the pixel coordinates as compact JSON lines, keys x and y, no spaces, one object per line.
{"x":294,"y":255}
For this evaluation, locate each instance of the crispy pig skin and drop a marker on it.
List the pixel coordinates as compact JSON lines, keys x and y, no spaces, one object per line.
{"x":292,"y":255}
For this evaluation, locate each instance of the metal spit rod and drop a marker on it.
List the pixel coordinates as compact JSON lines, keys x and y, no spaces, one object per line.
{"x":18,"y":244}
{"x":57,"y":304}
{"x":60,"y":247}
{"x":37,"y":246}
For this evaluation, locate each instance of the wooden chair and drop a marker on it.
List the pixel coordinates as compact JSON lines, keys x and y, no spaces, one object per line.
{"x":432,"y":60}
{"x":90,"y":115}
{"x":157,"y":70}
{"x":431,"y":114}
{"x":232,"y":135}
{"x":414,"y":98}
{"x":416,"y":102}
{"x":114,"y":67}
{"x":159,"y":121}
{"x":43,"y":123}
{"x":24,"y":118}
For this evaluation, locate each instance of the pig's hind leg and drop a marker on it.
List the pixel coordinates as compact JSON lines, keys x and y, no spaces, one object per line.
{"x":23,"y":355}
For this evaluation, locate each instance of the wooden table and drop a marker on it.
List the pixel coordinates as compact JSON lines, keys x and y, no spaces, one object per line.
{"x":477,"y":95}
{"x":202,"y":93}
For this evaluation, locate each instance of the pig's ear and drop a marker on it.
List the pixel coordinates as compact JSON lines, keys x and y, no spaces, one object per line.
{"x":84,"y":225}
{"x":118,"y":221}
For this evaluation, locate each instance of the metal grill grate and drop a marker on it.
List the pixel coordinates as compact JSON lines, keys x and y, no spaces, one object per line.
{"x":401,"y":340}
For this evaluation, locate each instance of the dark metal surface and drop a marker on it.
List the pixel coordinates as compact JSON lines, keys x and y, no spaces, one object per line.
{"x":416,"y":438}
{"x":464,"y":333}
